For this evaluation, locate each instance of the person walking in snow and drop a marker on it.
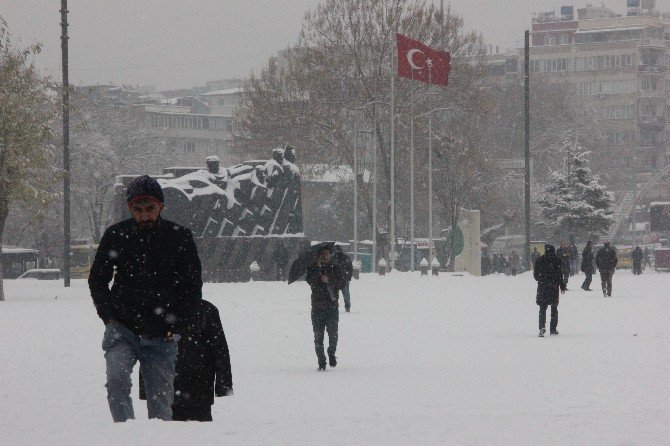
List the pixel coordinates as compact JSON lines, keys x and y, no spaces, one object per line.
{"x":203,"y":365}
{"x":534,"y":256}
{"x":587,"y":265}
{"x":325,"y":277}
{"x":157,"y":280}
{"x":347,"y":266}
{"x":514,"y":262}
{"x":606,"y":262}
{"x":647,"y":257}
{"x":563,"y":253}
{"x":550,"y":280}
{"x":574,"y":258}
{"x":638,"y":257}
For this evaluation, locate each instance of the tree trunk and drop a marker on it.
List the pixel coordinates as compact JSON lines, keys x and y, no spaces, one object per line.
{"x":3,"y":218}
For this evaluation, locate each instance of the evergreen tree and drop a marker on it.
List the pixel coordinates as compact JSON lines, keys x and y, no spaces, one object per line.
{"x":574,"y":202}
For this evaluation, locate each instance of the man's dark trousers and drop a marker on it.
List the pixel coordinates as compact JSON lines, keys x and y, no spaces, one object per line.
{"x":606,"y":279}
{"x":587,"y":282}
{"x":325,"y":319}
{"x":554,"y":317}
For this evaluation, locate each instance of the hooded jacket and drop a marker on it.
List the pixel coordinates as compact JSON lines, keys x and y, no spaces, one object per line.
{"x":549,"y":276}
{"x":157,"y":276}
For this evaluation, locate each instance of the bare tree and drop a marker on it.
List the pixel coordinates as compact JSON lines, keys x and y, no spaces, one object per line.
{"x":337,"y":81}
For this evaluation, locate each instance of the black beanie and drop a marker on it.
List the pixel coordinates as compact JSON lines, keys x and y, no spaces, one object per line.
{"x":144,"y":187}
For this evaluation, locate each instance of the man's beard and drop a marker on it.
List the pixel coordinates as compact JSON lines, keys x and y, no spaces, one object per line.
{"x":147,"y":225}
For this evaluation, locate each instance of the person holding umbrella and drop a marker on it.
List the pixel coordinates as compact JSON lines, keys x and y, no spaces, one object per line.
{"x":326,"y":278}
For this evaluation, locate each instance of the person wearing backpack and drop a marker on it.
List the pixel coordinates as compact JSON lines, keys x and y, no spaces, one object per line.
{"x":348,"y":270}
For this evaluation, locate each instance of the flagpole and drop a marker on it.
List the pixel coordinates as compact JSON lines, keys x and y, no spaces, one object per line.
{"x":430,"y":165}
{"x":411,"y":181}
{"x":374,"y":186}
{"x":393,"y":74}
{"x":355,"y":169}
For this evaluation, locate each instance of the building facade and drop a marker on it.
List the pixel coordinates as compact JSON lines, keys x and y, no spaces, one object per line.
{"x":619,"y":62}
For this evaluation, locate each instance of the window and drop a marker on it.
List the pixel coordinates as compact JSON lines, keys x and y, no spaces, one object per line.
{"x":221,"y":101}
{"x":189,"y":147}
{"x":564,"y":39}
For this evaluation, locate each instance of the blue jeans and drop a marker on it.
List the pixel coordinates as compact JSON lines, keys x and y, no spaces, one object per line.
{"x":347,"y":296}
{"x":157,"y":357}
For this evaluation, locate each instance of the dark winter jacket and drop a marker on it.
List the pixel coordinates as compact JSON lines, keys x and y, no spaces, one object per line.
{"x":637,"y":256}
{"x":587,"y":260}
{"x":203,"y":362}
{"x":564,"y":256}
{"x":549,"y":276}
{"x":345,"y":263}
{"x":321,"y":298}
{"x":606,"y":259}
{"x":157,"y":276}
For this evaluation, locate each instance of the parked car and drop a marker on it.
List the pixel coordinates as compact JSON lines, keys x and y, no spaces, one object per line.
{"x":42,"y":274}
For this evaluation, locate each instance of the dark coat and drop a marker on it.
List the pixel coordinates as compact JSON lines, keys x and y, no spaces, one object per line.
{"x":344,"y":261}
{"x":587,"y":260}
{"x":321,"y":298}
{"x":157,"y":276}
{"x":637,"y":256}
{"x":549,"y":276}
{"x":606,"y":259}
{"x":203,"y":362}
{"x":564,"y":255}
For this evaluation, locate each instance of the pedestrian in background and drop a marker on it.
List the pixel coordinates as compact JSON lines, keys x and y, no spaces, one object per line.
{"x":587,"y":265}
{"x":549,"y":276}
{"x":606,"y":261}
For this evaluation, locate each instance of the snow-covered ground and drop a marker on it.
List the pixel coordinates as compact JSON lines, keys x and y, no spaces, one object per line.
{"x":447,"y":360}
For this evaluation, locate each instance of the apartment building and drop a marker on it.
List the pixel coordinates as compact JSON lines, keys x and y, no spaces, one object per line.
{"x":198,"y":126}
{"x":619,"y":61}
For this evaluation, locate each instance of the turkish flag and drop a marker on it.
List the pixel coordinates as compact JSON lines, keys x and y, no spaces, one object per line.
{"x":421,"y":62}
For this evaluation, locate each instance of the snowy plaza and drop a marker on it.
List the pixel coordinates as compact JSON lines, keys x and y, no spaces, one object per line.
{"x":439,"y":360}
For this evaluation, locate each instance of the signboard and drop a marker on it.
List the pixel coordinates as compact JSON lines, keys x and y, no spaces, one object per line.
{"x":567,"y":11}
{"x":660,"y":216}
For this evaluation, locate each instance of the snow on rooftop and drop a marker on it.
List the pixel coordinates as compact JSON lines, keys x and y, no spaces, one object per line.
{"x":18,"y":250}
{"x":227,"y":91}
{"x":609,"y":30}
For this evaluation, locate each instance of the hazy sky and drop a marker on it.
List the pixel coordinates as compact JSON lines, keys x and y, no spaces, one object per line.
{"x":183,"y":43}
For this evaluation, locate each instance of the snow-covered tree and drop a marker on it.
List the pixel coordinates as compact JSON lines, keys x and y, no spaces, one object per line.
{"x":26,"y":113}
{"x":574,"y":202}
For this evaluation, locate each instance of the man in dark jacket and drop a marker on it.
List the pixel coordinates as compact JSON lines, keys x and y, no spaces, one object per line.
{"x":563,"y":254}
{"x":638,"y":257}
{"x":203,"y":365}
{"x":157,"y":280}
{"x":347,"y":266}
{"x":549,"y":276}
{"x":606,"y":261}
{"x":587,"y":265}
{"x":325,"y":278}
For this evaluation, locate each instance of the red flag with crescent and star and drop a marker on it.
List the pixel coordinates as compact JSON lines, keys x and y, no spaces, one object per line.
{"x":421,"y":62}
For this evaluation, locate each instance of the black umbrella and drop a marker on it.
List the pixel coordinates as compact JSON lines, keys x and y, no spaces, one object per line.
{"x":305,"y":259}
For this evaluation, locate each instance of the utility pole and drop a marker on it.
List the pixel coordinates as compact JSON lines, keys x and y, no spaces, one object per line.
{"x":527,"y":148}
{"x":66,"y":145}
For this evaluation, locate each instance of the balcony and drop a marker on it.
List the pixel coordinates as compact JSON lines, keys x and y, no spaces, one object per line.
{"x":651,"y":94}
{"x":651,"y":121}
{"x":653,"y":43}
{"x":652,"y":68}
